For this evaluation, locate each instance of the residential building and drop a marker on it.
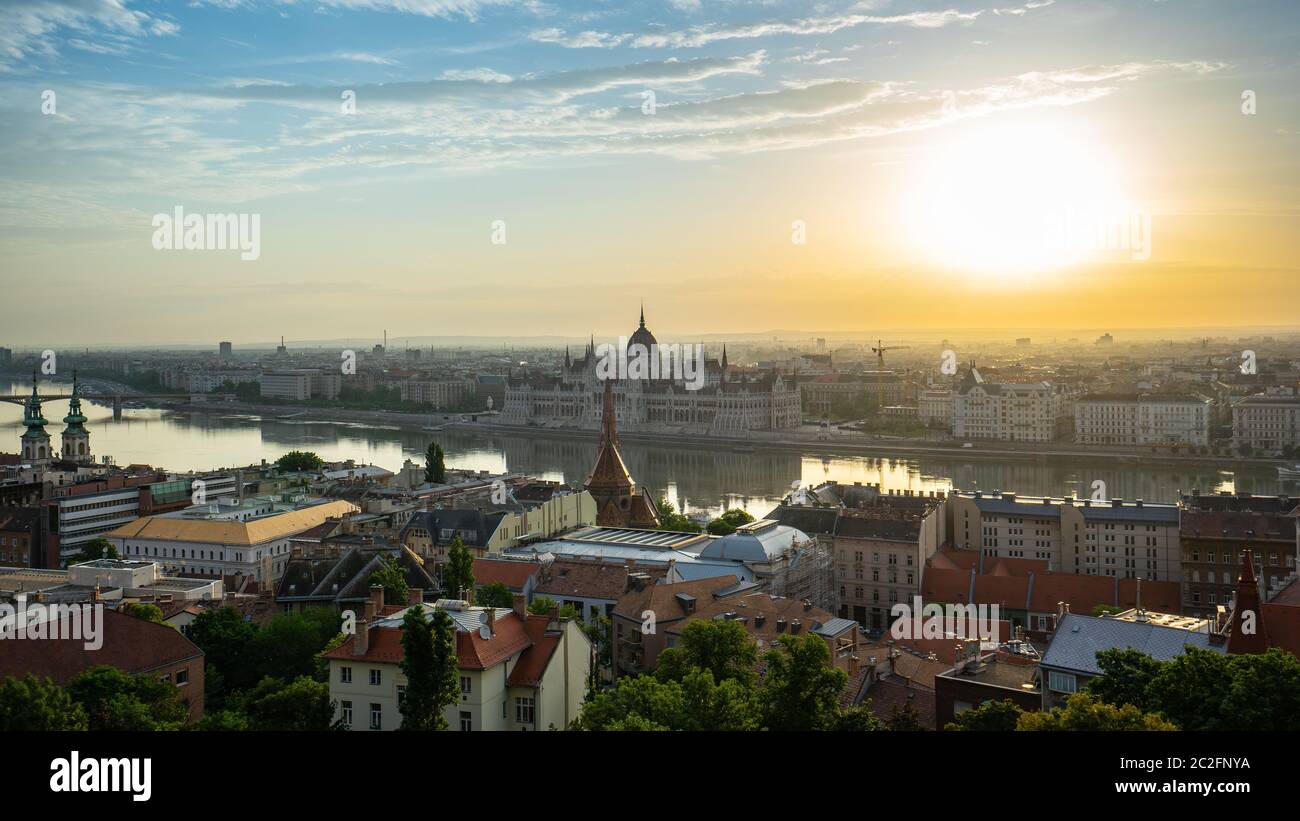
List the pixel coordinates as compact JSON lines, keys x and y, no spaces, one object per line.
{"x":286,"y":384}
{"x":1213,"y":550}
{"x":20,"y":536}
{"x":337,"y":573}
{"x":1010,"y":673}
{"x":1071,"y":659}
{"x":517,"y":671}
{"x":1142,"y":419}
{"x":1267,"y":421}
{"x":934,"y":407}
{"x":130,"y":644}
{"x":880,"y":551}
{"x":1011,"y":411}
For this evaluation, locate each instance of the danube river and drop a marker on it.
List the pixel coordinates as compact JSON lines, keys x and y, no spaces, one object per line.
{"x":703,"y":477}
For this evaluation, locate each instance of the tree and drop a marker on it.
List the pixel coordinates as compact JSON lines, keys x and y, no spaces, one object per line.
{"x":1085,"y":712}
{"x":670,"y":519}
{"x":303,"y":704}
{"x":392,"y":577}
{"x":904,"y":718}
{"x":696,"y":703}
{"x":96,"y":548}
{"x":1126,"y":676}
{"x":458,"y":572}
{"x":115,"y":700}
{"x":1106,"y":610}
{"x":148,"y":612}
{"x":30,"y":703}
{"x":224,"y":637}
{"x":991,"y":716}
{"x":430,"y":666}
{"x":729,"y":521}
{"x":495,"y":594}
{"x":600,"y":631}
{"x":724,"y":648}
{"x":861,"y":719}
{"x":223,"y":721}
{"x":801,"y":691}
{"x":542,"y":606}
{"x":435,"y":468}
{"x":299,"y":460}
{"x":290,"y":645}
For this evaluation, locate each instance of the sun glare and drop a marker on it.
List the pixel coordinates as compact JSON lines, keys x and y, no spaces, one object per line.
{"x":1011,"y":201}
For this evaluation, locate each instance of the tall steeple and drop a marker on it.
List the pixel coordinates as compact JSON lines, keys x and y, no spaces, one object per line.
{"x":76,"y":439}
{"x":618,"y":504}
{"x":1247,"y":634}
{"x":35,"y":441}
{"x":643,"y":313}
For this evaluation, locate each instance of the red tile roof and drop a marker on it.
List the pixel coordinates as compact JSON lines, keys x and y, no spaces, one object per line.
{"x":130,"y":644}
{"x":473,"y":652}
{"x":513,"y":575}
{"x":532,"y":664}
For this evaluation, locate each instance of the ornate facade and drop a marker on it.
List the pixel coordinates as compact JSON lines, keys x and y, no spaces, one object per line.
{"x":729,"y":403}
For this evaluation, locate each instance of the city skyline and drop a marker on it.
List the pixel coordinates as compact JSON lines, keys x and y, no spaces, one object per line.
{"x":843,"y":168}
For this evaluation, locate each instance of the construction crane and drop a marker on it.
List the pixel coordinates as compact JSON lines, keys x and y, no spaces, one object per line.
{"x":880,"y":348}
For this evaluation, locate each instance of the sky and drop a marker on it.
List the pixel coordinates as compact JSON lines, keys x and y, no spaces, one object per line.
{"x":525,"y":167}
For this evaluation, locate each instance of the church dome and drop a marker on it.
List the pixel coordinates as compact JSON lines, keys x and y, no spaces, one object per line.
{"x":642,"y":335}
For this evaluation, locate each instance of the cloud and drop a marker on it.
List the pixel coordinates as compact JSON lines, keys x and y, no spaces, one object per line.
{"x":582,"y":39}
{"x":480,"y":75}
{"x":28,"y":27}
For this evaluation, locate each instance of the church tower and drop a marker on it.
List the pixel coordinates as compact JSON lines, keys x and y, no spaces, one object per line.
{"x":76,"y":439}
{"x":618,"y":504}
{"x":35,"y":441}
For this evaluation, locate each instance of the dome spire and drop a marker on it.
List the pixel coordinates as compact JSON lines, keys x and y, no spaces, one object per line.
{"x":643,"y":313}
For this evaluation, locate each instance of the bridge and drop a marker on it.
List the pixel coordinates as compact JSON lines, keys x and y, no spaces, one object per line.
{"x":115,"y":398}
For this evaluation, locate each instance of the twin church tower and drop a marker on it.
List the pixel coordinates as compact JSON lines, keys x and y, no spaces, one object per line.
{"x":36,"y":441}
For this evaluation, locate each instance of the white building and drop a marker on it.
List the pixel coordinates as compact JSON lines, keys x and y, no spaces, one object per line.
{"x":1142,"y":419}
{"x":1269,"y":421}
{"x":286,"y":384}
{"x":220,"y":546}
{"x":934,"y":406}
{"x":1012,"y":411}
{"x":517,"y":671}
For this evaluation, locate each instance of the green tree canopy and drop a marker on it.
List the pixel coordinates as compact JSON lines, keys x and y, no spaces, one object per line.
{"x":729,"y":521}
{"x":429,"y":664}
{"x":458,"y":571}
{"x":302,"y":704}
{"x":288,"y":647}
{"x":148,"y":612}
{"x":495,"y":594}
{"x":224,"y":636}
{"x":542,"y":606}
{"x":1083,"y":711}
{"x":724,"y":648}
{"x":801,"y":691}
{"x":96,"y":548}
{"x":994,"y":716}
{"x":695,"y":703}
{"x":115,"y":700}
{"x":299,"y":460}
{"x":435,"y":467}
{"x":671,"y":519}
{"x":392,"y":577}
{"x":29,"y":703}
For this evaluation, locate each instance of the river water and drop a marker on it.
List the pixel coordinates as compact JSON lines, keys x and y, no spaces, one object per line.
{"x":701,"y":477}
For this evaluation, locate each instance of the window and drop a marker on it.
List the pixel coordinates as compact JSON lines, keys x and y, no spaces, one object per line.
{"x":345,"y":675}
{"x":401,"y":694}
{"x":1061,"y":682}
{"x":524,"y":710}
{"x":464,"y":687}
{"x":376,"y":716}
{"x":347,"y":714}
{"x":466,"y":721}
{"x":182,"y":677}
{"x":376,"y":676}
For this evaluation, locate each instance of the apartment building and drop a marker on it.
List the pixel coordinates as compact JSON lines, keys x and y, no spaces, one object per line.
{"x":517,"y":671}
{"x":1011,"y":411}
{"x":1213,"y":547}
{"x":440,"y":393}
{"x":1267,"y":421}
{"x":934,"y":407}
{"x":1142,"y":419}
{"x":1103,"y":538}
{"x":880,"y":551}
{"x":294,"y":384}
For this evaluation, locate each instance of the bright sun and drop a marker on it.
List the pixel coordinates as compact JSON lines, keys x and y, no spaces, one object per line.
{"x":1003,"y":200}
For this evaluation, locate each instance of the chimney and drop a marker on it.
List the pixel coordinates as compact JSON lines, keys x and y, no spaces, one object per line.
{"x":415,"y":595}
{"x":377,"y":597}
{"x":361,"y":641}
{"x":519,"y":604}
{"x":794,"y":626}
{"x":490,"y":620}
{"x":807,"y":605}
{"x":759,"y":619}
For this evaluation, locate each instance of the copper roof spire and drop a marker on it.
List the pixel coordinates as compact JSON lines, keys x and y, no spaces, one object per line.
{"x":1247,"y":634}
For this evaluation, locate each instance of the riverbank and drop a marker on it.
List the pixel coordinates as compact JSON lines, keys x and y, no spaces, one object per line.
{"x":838,"y":442}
